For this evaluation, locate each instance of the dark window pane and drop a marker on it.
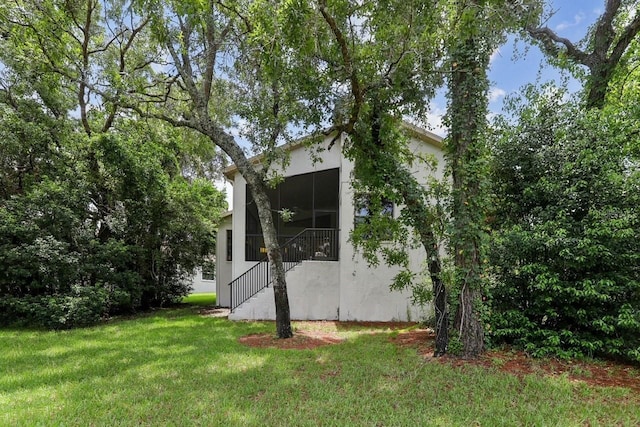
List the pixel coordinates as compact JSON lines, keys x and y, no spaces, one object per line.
{"x":326,"y":219}
{"x":327,"y":186}
{"x":296,"y":195}
{"x":312,"y":199}
{"x":365,"y":207}
{"x":253,"y":221}
{"x":254,"y":247}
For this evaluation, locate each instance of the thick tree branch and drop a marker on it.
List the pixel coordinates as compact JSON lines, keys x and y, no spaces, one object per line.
{"x":82,"y":88}
{"x":630,"y":32}
{"x":356,"y":86}
{"x":608,"y":47}
{"x":604,"y":34}
{"x":212,"y":45}
{"x":550,"y":39}
{"x":122,"y":67}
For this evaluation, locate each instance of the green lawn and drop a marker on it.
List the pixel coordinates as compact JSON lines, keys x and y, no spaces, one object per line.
{"x":200,"y":299}
{"x":175,"y":367}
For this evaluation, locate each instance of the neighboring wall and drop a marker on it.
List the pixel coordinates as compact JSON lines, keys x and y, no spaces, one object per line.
{"x":200,"y":285}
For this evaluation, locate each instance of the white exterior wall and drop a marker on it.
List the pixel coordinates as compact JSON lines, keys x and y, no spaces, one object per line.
{"x":364,"y":290}
{"x":223,"y":267}
{"x":313,"y":291}
{"x":348,"y":289}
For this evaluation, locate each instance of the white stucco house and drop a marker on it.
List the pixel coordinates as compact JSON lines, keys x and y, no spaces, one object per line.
{"x":327,"y":279}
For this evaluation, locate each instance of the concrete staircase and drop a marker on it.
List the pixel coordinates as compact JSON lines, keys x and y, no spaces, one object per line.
{"x":314,"y":294}
{"x":259,"y":307}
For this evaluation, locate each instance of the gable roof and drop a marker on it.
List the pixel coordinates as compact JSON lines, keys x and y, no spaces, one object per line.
{"x":413,"y":130}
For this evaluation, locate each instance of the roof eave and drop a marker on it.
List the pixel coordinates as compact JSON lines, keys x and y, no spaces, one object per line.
{"x":418,"y":132}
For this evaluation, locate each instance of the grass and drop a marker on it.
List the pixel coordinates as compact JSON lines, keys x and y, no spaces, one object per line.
{"x":200,"y":299}
{"x":175,"y":367}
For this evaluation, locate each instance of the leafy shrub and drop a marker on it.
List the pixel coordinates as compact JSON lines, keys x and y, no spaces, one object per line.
{"x":84,"y":307}
{"x":69,"y":260}
{"x":565,"y":251}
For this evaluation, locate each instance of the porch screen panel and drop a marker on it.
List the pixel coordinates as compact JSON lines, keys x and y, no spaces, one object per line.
{"x":296,"y":195}
{"x":325,"y":199}
{"x":312,"y":199}
{"x":254,"y":242}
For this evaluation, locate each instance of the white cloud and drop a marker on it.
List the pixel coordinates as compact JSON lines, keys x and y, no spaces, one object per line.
{"x":494,"y":55}
{"x":433,"y":121}
{"x":496,"y":93}
{"x":577,"y":19}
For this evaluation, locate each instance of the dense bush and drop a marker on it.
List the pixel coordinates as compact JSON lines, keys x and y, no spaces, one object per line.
{"x":91,"y":227}
{"x":566,"y":247}
{"x":101,"y":212}
{"x":82,"y":307}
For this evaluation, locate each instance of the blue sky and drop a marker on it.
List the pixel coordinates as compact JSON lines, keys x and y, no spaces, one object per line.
{"x":510,"y":72}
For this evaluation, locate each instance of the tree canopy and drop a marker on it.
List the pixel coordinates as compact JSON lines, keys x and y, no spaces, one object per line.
{"x":101,"y":213}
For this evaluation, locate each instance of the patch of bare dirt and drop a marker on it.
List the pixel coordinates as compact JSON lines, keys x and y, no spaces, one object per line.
{"x":312,"y":334}
{"x":518,"y":363}
{"x":214,"y":312}
{"x":301,"y":340}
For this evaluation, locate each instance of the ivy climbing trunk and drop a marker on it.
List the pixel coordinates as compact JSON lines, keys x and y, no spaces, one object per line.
{"x":416,"y":209}
{"x":466,"y":154}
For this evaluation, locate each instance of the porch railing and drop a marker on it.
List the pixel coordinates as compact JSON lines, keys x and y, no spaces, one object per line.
{"x":310,"y":244}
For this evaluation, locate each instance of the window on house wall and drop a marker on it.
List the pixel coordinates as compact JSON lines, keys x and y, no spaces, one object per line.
{"x":229,"y":245}
{"x":365,"y":206}
{"x":209,"y":269}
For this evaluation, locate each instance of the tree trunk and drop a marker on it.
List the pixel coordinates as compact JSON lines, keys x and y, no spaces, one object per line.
{"x":465,"y":146}
{"x":598,"y":84}
{"x":283,"y":317}
{"x":417,"y":211}
{"x":467,"y":322}
{"x":256,"y":186}
{"x":440,"y":303}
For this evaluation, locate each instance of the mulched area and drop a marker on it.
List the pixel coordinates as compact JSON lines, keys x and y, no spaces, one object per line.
{"x":518,"y":363}
{"x":310,"y":335}
{"x":302,"y":340}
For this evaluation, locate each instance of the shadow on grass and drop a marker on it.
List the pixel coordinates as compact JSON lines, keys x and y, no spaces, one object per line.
{"x":175,"y":367}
